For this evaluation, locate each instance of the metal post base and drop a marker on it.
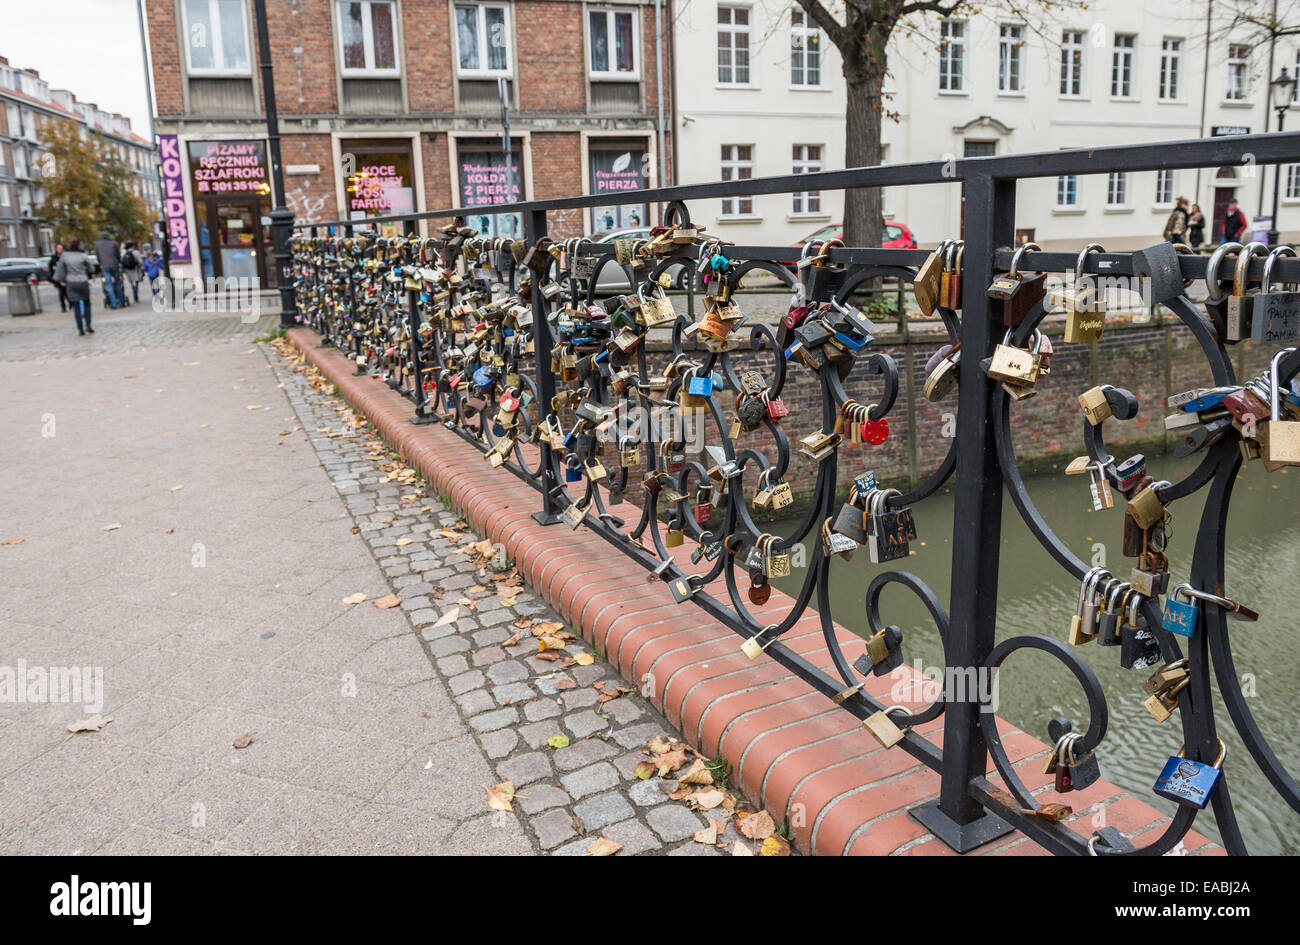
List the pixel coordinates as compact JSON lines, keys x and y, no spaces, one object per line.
{"x":546,"y":518}
{"x":961,"y":837}
{"x":420,"y":419}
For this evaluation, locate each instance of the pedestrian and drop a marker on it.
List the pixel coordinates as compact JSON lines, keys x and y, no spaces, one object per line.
{"x":132,"y":269}
{"x":1176,"y":225}
{"x":73,"y":273}
{"x":152,"y":270}
{"x":110,"y":262}
{"x":1196,"y":226}
{"x":1234,"y":224}
{"x":54,"y":263}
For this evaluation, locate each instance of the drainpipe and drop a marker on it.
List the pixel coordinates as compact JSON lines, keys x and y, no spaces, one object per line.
{"x":659,"y":87}
{"x":1205,"y":79}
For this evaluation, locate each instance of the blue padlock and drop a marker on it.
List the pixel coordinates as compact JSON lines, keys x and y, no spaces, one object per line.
{"x":1180,"y":616}
{"x":481,"y":378}
{"x":719,"y":261}
{"x":700,"y":386}
{"x":1205,"y":401}
{"x":1190,"y":783}
{"x":852,"y":341}
{"x":865,"y":483}
{"x":789,"y":352}
{"x":571,"y":471}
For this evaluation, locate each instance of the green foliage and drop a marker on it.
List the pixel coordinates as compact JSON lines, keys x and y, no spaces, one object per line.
{"x":87,"y":188}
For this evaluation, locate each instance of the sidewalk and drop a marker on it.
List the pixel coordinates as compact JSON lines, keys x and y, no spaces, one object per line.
{"x":190,"y":529}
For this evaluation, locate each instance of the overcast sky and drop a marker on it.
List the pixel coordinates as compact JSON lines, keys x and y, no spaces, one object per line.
{"x":89,"y":47}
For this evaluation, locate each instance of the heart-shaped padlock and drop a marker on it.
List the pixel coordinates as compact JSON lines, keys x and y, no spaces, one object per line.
{"x":875,"y":432}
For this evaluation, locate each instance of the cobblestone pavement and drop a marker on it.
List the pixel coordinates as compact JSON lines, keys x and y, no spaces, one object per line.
{"x":172,"y":521}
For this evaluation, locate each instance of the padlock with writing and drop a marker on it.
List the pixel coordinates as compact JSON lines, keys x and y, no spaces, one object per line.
{"x":1018,"y":292}
{"x":1190,"y":783}
{"x":1275,"y":314}
{"x":1180,"y":616}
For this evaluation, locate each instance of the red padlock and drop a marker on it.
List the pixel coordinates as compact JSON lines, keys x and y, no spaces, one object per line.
{"x":776,"y":409}
{"x":759,"y":593}
{"x":875,"y":432}
{"x":454,"y":382}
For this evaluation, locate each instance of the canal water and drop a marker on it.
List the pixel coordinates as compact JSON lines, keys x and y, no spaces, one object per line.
{"x":1035,"y":596}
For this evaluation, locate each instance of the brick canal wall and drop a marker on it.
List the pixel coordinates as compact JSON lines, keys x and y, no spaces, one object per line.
{"x":808,"y":763}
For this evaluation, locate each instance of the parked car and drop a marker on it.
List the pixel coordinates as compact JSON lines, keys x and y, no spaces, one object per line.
{"x":895,"y":236}
{"x":614,"y":279}
{"x":21,"y":268}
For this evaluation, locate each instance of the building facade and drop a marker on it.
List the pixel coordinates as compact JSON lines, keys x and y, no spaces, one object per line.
{"x":393,"y":106}
{"x":759,"y":92}
{"x":26,"y":103}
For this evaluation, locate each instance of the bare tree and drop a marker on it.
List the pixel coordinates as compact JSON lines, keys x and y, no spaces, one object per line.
{"x":861,"y":30}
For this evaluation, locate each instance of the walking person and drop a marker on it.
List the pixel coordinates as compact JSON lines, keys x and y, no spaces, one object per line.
{"x":152,"y":269}
{"x":1196,"y":226}
{"x":110,"y":262}
{"x":54,"y":262}
{"x":73,"y":273}
{"x":132,"y":269}
{"x":1176,"y":225}
{"x":1234,"y":224}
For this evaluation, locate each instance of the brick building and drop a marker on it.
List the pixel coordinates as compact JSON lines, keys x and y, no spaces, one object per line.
{"x":27,"y":102}
{"x":388,"y":106}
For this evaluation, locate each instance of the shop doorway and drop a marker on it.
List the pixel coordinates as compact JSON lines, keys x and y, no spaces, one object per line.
{"x":231,"y":240}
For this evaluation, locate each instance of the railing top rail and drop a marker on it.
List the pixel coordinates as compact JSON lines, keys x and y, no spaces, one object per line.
{"x":1268,"y":148}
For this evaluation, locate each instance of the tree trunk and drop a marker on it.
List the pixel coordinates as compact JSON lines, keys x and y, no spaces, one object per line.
{"x":864,"y":70}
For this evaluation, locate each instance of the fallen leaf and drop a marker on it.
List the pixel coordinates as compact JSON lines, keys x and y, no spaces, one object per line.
{"x":450,"y":616}
{"x":243,"y":740}
{"x":708,"y":835}
{"x":255,"y":406}
{"x":670,"y":761}
{"x":178,"y":488}
{"x":391,"y":600}
{"x":584,"y":659}
{"x":352,"y":599}
{"x":558,"y":741}
{"x":13,"y":541}
{"x":509,"y":601}
{"x":741,"y":849}
{"x":757,"y":826}
{"x":502,"y":796}
{"x":659,"y":744}
{"x":774,"y":846}
{"x":549,"y":655}
{"x":698,"y":774}
{"x":602,"y":847}
{"x":563,"y":684}
{"x":402,"y":542}
{"x":92,"y":724}
{"x":112,"y":528}
{"x":549,"y":643}
{"x":707,"y":800}
{"x":514,"y":639}
{"x":644,"y":770}
{"x":428,"y":765}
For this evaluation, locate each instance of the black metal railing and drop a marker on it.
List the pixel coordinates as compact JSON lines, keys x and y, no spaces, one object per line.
{"x":513,"y":346}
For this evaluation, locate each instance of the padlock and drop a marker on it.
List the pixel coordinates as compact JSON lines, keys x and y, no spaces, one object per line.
{"x":1279,"y":439}
{"x":1096,"y":408}
{"x":1139,"y":648}
{"x":1016,"y":367}
{"x":1190,"y":783}
{"x":1163,"y":703}
{"x":1083,"y":625}
{"x":1081,"y":771}
{"x":941,"y":373}
{"x":889,"y":531}
{"x":1085,"y":309}
{"x":952,"y":285}
{"x":1241,"y":304}
{"x":1275,"y":316}
{"x":1018,"y":292}
{"x":884,"y":652}
{"x":883,"y":729}
{"x":927,"y":282}
{"x":1146,"y":508}
{"x":1151,"y":576}
{"x":755,"y":645}
{"x":1180,"y":616}
{"x":819,"y":279}
{"x":1111,"y":617}
{"x":852,"y":521}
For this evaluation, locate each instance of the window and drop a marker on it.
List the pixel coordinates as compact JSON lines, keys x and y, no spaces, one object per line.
{"x":1011,"y":58}
{"x":737,"y":164}
{"x":733,"y":45}
{"x":1067,"y":191}
{"x":1293,"y":182}
{"x":1171,"y":67}
{"x":1164,"y":187}
{"x":1117,"y":189}
{"x":805,"y":51}
{"x":952,"y":55}
{"x":1072,"y":63}
{"x":1238,"y":79}
{"x":611,"y":43}
{"x":20,"y":161}
{"x":973,"y":149}
{"x":367,"y":37}
{"x":807,"y":160}
{"x":216,"y":37}
{"x":4,"y":193}
{"x":1121,"y":66}
{"x":482,"y":39}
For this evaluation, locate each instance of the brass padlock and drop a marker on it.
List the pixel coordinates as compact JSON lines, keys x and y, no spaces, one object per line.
{"x":1095,"y":406}
{"x":1146,"y":508}
{"x":882,"y":727}
{"x":1279,"y":439}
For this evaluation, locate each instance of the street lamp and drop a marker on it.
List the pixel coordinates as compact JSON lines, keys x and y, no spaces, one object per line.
{"x":1283,"y":88}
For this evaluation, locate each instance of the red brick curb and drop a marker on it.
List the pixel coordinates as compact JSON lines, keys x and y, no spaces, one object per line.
{"x":808,"y":763}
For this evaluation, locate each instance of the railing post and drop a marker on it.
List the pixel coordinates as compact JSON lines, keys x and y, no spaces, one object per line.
{"x":423,"y":413}
{"x":956,"y":818}
{"x":534,"y":230}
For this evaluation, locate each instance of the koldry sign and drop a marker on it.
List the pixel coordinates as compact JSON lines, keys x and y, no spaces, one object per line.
{"x":178,"y":227}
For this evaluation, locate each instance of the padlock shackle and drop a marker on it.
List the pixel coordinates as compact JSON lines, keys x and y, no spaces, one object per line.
{"x":1019,"y":254}
{"x":1082,"y":260}
{"x":1241,"y":271}
{"x":1275,"y":401}
{"x":1212,"y":287}
{"x":1223,"y":750}
{"x":1266,"y":281}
